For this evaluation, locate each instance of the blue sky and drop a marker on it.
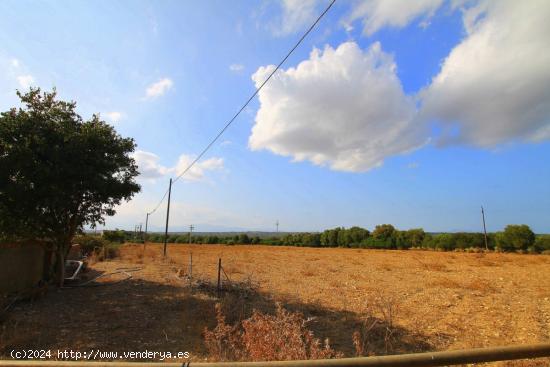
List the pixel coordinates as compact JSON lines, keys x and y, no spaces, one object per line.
{"x":411,"y":113}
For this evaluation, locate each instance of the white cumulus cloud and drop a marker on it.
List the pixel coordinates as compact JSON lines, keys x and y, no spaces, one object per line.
{"x":495,"y":85}
{"x":149,"y":165}
{"x":342,"y":107}
{"x":199,"y":169}
{"x":150,"y":168}
{"x":159,"y":88}
{"x":376,"y":14}
{"x":296,"y":14}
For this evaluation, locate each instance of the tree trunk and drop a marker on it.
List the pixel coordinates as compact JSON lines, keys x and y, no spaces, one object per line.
{"x":60,"y":265}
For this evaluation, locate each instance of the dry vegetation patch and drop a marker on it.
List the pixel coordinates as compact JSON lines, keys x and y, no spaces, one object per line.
{"x":365,"y":301}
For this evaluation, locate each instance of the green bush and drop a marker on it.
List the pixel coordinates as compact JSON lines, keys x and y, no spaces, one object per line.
{"x":109,"y":251}
{"x":444,"y":242}
{"x":515,"y":237}
{"x":542,"y":243}
{"x":115,"y":236}
{"x":377,"y":243}
{"x":89,"y":243}
{"x":181,"y":239}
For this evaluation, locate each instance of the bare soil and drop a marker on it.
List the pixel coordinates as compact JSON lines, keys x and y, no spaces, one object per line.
{"x":438,"y":300}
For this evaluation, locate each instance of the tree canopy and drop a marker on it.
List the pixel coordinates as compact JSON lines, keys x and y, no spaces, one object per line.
{"x":59,"y":172}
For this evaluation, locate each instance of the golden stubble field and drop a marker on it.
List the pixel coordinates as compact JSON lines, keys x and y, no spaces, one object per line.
{"x":433,"y":300}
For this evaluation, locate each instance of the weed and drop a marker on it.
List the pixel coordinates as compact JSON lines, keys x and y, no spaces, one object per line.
{"x":375,"y":330}
{"x":263,"y":337}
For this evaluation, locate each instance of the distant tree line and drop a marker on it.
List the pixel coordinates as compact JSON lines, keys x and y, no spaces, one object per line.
{"x":519,"y":238}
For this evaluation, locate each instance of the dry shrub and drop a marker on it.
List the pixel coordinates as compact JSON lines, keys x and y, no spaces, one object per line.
{"x":134,"y":256}
{"x":377,"y":327}
{"x":263,"y":337}
{"x":109,"y":251}
{"x":139,"y":254}
{"x":224,"y":341}
{"x":283,"y":336}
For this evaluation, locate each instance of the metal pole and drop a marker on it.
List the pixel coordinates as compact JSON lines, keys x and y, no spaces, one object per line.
{"x":484,"y":229}
{"x":219,"y":275}
{"x":167,"y":217}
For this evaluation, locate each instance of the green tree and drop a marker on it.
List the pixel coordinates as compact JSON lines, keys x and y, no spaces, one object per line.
{"x":415,"y":237}
{"x":243,"y":239}
{"x":59,"y":173}
{"x":357,"y":235}
{"x":329,"y":238}
{"x":445,"y":241}
{"x":383,"y":232}
{"x":516,"y":237}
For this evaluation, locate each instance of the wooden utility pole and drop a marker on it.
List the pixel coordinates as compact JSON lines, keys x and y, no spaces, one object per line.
{"x":484,"y":228}
{"x":145,"y":233}
{"x":167,"y":217}
{"x":277,"y":224}
{"x":190,"y":265}
{"x":191,"y":228}
{"x":219,"y":276}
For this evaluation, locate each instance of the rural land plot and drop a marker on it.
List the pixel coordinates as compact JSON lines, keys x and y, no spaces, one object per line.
{"x":438,"y":300}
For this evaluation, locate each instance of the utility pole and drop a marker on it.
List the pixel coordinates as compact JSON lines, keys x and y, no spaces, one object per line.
{"x":167,"y":217}
{"x":191,"y":228}
{"x":277,"y":224}
{"x":145,"y":234}
{"x":146,"y":223}
{"x":484,"y":228}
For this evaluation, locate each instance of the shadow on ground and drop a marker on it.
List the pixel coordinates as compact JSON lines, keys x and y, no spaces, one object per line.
{"x":138,"y":315}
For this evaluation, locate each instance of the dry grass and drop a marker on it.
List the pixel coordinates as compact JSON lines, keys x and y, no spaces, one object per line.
{"x":264,"y":337}
{"x":439,"y":300}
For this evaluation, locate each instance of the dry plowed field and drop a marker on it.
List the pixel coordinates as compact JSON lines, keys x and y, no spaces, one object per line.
{"x":429,"y":300}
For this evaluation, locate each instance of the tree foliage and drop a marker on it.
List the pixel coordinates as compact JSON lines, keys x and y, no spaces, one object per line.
{"x":59,"y":172}
{"x":516,"y":237}
{"x":387,"y":237}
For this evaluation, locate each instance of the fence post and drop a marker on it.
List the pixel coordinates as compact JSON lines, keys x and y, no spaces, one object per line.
{"x":219,"y":275}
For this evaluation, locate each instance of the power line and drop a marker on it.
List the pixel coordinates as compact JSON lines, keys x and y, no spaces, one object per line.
{"x":158,"y":205}
{"x":245,"y":104}
{"x":255,"y":92}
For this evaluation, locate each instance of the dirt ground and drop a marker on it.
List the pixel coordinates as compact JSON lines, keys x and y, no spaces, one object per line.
{"x":437,"y":300}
